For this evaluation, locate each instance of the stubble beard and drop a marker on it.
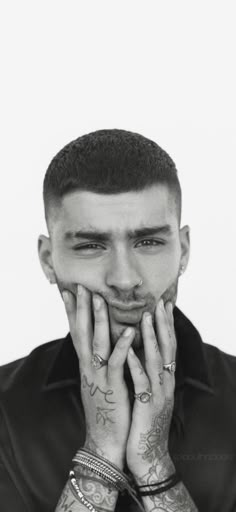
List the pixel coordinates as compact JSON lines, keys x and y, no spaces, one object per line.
{"x":116,"y":330}
{"x":169,"y":295}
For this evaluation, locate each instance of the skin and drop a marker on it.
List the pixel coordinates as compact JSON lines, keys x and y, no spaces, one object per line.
{"x":114,"y":269}
{"x":117,"y":428}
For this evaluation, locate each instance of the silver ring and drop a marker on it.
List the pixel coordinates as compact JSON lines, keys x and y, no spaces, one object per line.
{"x":170,"y":367}
{"x":143,"y":397}
{"x":98,"y":361}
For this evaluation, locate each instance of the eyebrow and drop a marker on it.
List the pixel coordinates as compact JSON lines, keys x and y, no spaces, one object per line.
{"x":107,"y":235}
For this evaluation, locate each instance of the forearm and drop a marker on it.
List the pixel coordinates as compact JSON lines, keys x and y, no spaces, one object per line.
{"x":95,"y":491}
{"x":175,"y":499}
{"x":69,"y":502}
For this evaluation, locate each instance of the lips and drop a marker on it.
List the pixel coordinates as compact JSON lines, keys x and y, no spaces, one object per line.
{"x":129,"y":316}
{"x":126,"y":307}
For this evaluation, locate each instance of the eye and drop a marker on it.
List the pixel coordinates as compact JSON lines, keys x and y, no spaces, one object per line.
{"x":87,"y":247}
{"x":151,"y":242}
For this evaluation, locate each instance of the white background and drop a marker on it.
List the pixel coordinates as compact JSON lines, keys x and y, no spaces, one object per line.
{"x":163,"y":68}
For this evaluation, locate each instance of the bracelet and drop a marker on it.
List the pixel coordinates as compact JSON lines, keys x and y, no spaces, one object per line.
{"x":160,"y":487}
{"x":107,"y":471}
{"x":95,"y":457}
{"x":103,"y":472}
{"x":79,"y":493}
{"x":155,"y":484}
{"x":103,"y":468}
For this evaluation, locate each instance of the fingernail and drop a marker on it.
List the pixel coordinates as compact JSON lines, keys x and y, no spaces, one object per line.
{"x":65,"y":296}
{"x":130,"y":351}
{"x":148,"y":318}
{"x":161,"y":304}
{"x":79,"y":289}
{"x":127,"y":332}
{"x":97,"y":302}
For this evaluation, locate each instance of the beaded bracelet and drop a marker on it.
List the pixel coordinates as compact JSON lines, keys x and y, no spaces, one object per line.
{"x":107,"y":471}
{"x":79,"y":493}
{"x":159,"y":487}
{"x":103,"y":468}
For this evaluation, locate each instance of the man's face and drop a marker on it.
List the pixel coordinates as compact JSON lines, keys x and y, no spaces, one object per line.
{"x":113,"y":259}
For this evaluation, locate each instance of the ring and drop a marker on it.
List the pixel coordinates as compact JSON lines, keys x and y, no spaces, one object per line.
{"x":143,"y":397}
{"x":171,"y":367}
{"x":98,"y":361}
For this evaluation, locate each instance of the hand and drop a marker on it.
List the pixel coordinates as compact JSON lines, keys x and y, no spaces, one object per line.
{"x":103,"y":391}
{"x":147,"y":448}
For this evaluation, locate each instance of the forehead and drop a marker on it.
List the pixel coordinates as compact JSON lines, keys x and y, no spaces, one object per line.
{"x":116,"y":213}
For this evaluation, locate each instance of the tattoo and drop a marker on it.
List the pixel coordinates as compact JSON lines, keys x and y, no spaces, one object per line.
{"x":94,"y":388}
{"x":154,"y":443}
{"x":161,"y":378}
{"x":154,"y":450}
{"x":85,"y":472}
{"x":102,"y":415}
{"x":175,"y":499}
{"x":156,"y":347}
{"x":141,"y":371}
{"x":103,"y":498}
{"x":66,"y":501}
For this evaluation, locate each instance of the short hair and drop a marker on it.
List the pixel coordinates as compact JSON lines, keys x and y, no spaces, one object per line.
{"x":109,"y":162}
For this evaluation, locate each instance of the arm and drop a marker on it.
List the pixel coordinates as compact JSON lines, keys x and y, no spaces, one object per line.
{"x":147,"y":448}
{"x":176,"y":499}
{"x":104,"y":499}
{"x":100,"y":496}
{"x":105,"y":399}
{"x":109,"y":430}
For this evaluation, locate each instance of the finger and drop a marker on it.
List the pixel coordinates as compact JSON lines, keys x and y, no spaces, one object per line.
{"x":165,"y":334}
{"x":70,"y":306}
{"x":140,"y":378}
{"x":170,"y":318}
{"x":119,"y":355}
{"x":79,"y":316}
{"x":166,"y":344}
{"x":101,"y":337}
{"x":153,"y":359}
{"x":84,"y":322}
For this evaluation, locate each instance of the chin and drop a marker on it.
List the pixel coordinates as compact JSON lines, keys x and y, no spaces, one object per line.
{"x":117,"y":332}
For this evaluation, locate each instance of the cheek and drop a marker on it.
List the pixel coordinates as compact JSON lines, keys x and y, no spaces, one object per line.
{"x":163,"y":273}
{"x":70,"y":270}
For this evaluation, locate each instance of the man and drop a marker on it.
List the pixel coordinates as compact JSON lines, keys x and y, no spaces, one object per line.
{"x":116,"y":251}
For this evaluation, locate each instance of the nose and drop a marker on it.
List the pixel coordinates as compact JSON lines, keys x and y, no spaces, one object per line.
{"x":123,"y":273}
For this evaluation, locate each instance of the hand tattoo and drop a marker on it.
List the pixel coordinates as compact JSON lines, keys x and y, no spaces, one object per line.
{"x":94,"y":388}
{"x":102,"y":415}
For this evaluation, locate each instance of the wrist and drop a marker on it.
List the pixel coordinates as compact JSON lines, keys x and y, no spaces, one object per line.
{"x":116,"y":458}
{"x":154,"y":472}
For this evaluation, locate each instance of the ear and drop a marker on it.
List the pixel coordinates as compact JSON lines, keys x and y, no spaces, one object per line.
{"x":185,"y":248}
{"x":45,"y":257}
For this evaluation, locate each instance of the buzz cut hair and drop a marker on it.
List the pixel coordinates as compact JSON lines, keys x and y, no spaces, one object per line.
{"x":111,"y":161}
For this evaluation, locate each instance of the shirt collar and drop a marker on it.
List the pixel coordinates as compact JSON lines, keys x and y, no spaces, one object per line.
{"x":192,"y":367}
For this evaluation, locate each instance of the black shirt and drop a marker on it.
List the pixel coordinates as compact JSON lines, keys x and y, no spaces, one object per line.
{"x":42,"y":424}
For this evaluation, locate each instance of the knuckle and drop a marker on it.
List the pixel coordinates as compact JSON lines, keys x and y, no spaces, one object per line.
{"x":96,"y":345}
{"x":80,"y":332}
